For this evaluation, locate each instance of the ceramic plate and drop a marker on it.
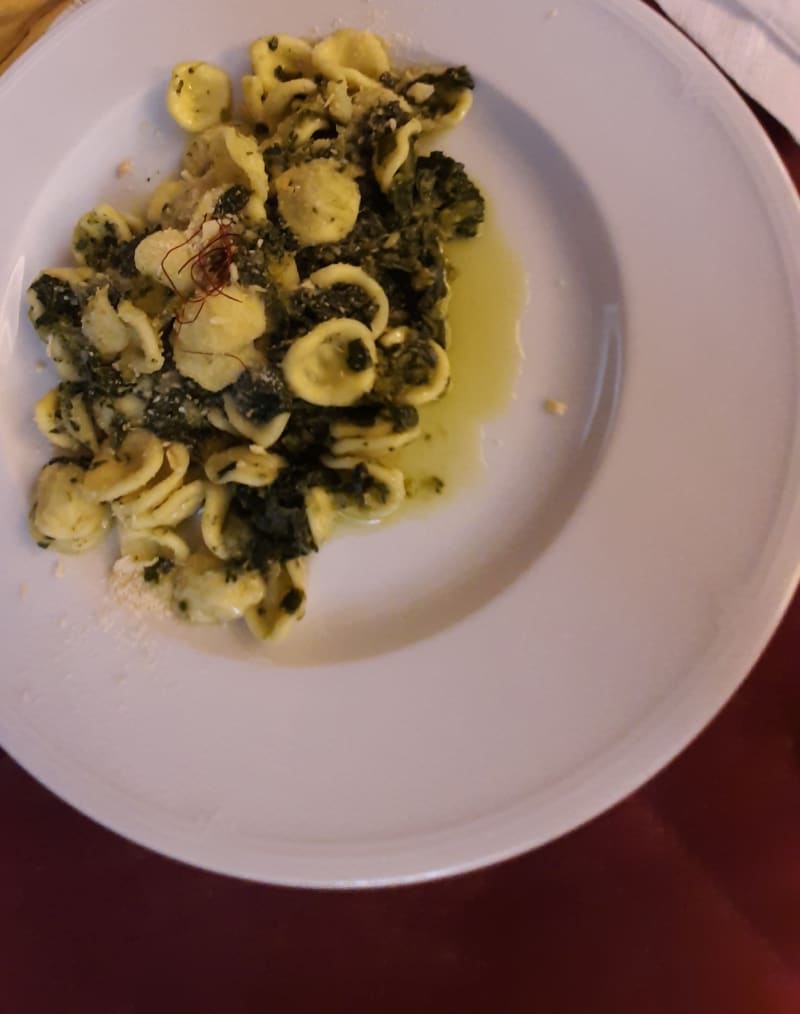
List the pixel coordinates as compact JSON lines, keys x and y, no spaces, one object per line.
{"x":475,"y":681}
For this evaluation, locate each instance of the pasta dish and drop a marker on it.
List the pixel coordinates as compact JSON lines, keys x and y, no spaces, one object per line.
{"x":237,"y":366}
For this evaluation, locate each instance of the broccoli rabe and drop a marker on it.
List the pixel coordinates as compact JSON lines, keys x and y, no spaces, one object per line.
{"x":261,"y":395}
{"x":448,"y":86}
{"x":257,"y":247}
{"x":232,"y":201}
{"x":276,"y":517}
{"x":310,"y":306}
{"x":60,"y":302}
{"x":446,"y":193}
{"x":409,"y":364}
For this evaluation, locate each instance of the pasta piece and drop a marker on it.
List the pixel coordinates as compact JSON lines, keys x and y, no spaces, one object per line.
{"x":247,"y":466}
{"x":338,"y":102}
{"x":167,"y":500}
{"x":441,"y":99}
{"x":369,"y":441}
{"x":165,"y":256}
{"x":279,"y":57}
{"x":204,"y":592}
{"x":96,"y":231}
{"x":284,"y":272}
{"x":386,"y":168}
{"x":212,"y":522}
{"x":160,"y":206}
{"x":413,"y":370}
{"x":435,"y":384}
{"x":332,"y":365}
{"x":217,"y":345}
{"x":383,"y":489}
{"x":143,"y":352}
{"x":218,"y":419}
{"x":148,"y":545}
{"x":116,"y":473}
{"x":64,"y":515}
{"x":65,"y":288}
{"x":49,"y":422}
{"x":101,"y":324}
{"x":296,"y":132}
{"x":420,"y":92}
{"x":394,"y":336}
{"x":130,"y":407}
{"x":270,"y":106}
{"x":357,"y":57}
{"x":198,"y":96}
{"x":77,"y":419}
{"x":284,"y":601}
{"x":351,"y":274}
{"x":264,"y":434}
{"x":125,"y":334}
{"x":318,"y":201}
{"x":320,"y":509}
{"x":225,"y":155}
{"x":62,"y":356}
{"x":230,"y":319}
{"x":461,"y":107}
{"x":211,"y":370}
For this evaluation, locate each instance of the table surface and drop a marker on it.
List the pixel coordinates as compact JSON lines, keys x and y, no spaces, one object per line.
{"x":684,"y":899}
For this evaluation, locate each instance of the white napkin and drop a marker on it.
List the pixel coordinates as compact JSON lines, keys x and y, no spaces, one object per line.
{"x":756,"y":42}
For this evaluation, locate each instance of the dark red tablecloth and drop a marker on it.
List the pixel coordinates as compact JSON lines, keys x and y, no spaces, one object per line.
{"x":684,"y":899}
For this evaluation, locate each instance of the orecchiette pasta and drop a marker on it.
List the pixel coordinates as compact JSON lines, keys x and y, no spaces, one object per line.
{"x":434,"y":385}
{"x":359,"y":58}
{"x":214,"y":371}
{"x":372,"y":441}
{"x":204,"y":592}
{"x":351,"y":274}
{"x":225,"y":155}
{"x":262,"y":433}
{"x":116,"y":472}
{"x":199,"y":95}
{"x":387,"y":167}
{"x":241,"y":372}
{"x":232,"y":318}
{"x":378,"y":497}
{"x":246,"y":466}
{"x":318,"y":201}
{"x":280,"y":56}
{"x":283,"y":603}
{"x":150,"y":544}
{"x":64,"y":515}
{"x":64,"y":419}
{"x":167,"y":499}
{"x":269,"y":107}
{"x":96,"y":231}
{"x":332,"y":365}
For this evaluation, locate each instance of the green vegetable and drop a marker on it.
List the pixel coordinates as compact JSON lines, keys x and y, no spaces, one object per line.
{"x":59,"y":300}
{"x":292,"y":601}
{"x":448,"y":86}
{"x":358,"y":358}
{"x":262,"y":395}
{"x":449,"y":196}
{"x":232,"y":201}
{"x":153,"y":572}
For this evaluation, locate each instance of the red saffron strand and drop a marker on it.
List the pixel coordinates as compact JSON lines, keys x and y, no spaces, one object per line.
{"x":230,"y":355}
{"x":209,"y":268}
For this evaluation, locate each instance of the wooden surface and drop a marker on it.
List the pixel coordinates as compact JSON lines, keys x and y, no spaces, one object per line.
{"x":684,"y":899}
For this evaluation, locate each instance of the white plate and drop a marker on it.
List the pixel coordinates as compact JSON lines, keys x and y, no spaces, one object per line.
{"x":479,"y":681}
